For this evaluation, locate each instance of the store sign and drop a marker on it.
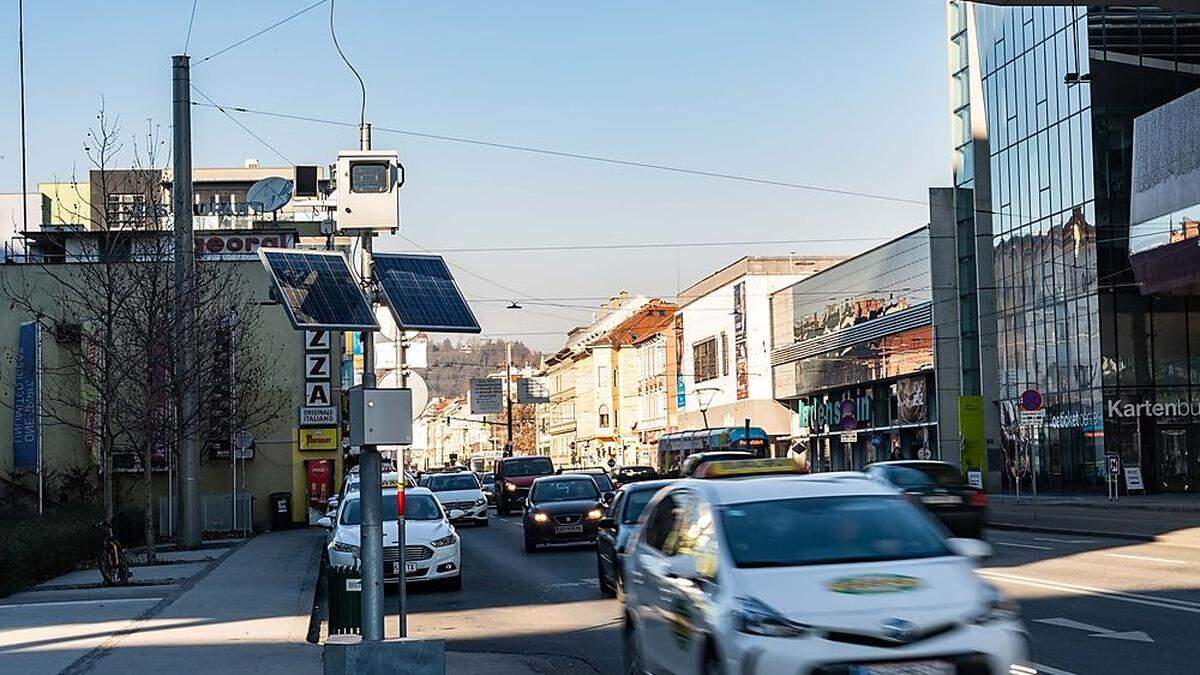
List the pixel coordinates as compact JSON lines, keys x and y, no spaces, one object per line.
{"x":1133,"y":479}
{"x":1148,"y":409}
{"x":318,"y":416}
{"x":242,"y":245}
{"x":819,"y":416}
{"x":319,"y":438}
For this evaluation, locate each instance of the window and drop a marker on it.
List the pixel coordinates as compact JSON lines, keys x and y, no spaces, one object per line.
{"x":369,"y":177}
{"x":704,"y":359}
{"x":661,"y":525}
{"x":604,"y":417}
{"x":724,"y":354}
{"x":602,"y":377}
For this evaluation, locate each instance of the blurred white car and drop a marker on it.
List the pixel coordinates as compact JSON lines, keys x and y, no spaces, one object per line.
{"x":460,"y":491}
{"x":431,"y":547}
{"x":821,"y":574}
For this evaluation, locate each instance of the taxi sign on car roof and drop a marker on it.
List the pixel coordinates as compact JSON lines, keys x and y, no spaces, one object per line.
{"x":733,"y":468}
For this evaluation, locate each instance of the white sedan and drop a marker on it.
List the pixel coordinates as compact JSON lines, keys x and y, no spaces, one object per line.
{"x":431,"y":548}
{"x":460,"y":492}
{"x":822,"y":574}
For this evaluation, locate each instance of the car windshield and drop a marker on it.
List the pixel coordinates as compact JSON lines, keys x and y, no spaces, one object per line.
{"x":828,"y":530}
{"x":534,"y":466}
{"x":922,"y":475}
{"x":488,"y":478}
{"x":416,"y":507}
{"x":563,"y":490}
{"x":635,"y":503}
{"x":461,"y":481}
{"x":602,"y":481}
{"x":637,"y":473}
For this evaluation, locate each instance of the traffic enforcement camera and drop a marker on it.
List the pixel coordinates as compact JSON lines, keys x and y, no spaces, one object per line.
{"x":368,"y":190}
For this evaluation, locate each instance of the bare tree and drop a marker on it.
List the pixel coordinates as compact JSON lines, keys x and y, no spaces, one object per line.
{"x":118,"y":385}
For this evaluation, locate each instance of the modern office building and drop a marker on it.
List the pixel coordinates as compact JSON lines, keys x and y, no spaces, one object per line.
{"x":1044,"y":102}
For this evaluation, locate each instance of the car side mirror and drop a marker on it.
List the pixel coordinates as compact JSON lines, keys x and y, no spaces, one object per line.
{"x":607,"y":524}
{"x":976,"y":550}
{"x":681,"y":567}
{"x":333,"y":503}
{"x":325,"y":522}
{"x":608,"y":496}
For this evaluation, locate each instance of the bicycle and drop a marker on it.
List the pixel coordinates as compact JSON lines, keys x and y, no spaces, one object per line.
{"x":114,"y":567}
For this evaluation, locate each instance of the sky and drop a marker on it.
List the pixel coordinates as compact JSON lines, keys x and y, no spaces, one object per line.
{"x":845,"y":95}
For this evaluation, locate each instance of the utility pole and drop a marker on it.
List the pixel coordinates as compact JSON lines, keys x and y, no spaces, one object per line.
{"x":508,"y":399}
{"x":190,"y":530}
{"x":369,"y":463}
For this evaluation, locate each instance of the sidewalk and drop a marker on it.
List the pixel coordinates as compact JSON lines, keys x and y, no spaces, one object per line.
{"x":1137,"y":517}
{"x":248,"y":615}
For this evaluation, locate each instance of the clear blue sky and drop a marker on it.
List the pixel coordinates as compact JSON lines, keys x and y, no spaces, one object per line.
{"x":850,"y":95}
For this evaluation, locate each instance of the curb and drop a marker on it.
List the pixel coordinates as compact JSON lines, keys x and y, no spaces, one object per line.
{"x":1073,"y":531}
{"x":1011,"y":502}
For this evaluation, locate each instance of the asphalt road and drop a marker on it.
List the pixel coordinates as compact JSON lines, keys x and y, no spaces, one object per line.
{"x":545,"y":604}
{"x":1093,"y":605}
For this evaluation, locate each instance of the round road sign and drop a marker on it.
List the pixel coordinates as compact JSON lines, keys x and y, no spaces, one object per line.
{"x":1031,"y":400}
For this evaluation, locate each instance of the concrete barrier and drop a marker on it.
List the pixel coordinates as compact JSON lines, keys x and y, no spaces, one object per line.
{"x":349,"y":655}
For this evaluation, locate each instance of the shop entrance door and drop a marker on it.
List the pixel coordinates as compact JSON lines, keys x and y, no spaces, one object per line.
{"x":1175,"y":469}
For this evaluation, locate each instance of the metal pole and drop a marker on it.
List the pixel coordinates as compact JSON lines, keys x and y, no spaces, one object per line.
{"x":181,"y":205}
{"x":21,"y":68}
{"x":402,"y":485}
{"x":508,"y":399}
{"x":369,"y":473}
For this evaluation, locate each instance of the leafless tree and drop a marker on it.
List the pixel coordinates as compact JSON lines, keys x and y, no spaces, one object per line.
{"x":118,"y":383}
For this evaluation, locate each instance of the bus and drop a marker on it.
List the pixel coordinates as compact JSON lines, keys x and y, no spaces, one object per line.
{"x":674,"y":447}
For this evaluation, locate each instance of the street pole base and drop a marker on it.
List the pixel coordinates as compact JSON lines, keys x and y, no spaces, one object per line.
{"x":350,"y":654}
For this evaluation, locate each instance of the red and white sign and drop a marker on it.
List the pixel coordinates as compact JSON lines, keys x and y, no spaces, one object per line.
{"x":242,"y":244}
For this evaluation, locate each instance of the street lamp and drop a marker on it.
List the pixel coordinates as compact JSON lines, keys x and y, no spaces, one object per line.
{"x":705,"y":396}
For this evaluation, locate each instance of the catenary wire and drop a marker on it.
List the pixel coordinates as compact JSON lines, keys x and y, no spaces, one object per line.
{"x":362,"y":111}
{"x":245,"y":128}
{"x":191,"y":20}
{"x":246,"y":39}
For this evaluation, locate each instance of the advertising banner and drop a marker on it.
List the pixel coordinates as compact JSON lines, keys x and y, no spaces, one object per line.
{"x":911,"y":406}
{"x":318,"y":481}
{"x":319,"y":438}
{"x":26,"y":429}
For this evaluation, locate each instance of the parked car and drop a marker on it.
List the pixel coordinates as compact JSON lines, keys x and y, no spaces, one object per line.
{"x":431,"y":545}
{"x":625,"y":475}
{"x":513,"y":478}
{"x":941,"y":488}
{"x":829,"y":573}
{"x":616,"y":528}
{"x":460,"y":492}
{"x":561,"y":509}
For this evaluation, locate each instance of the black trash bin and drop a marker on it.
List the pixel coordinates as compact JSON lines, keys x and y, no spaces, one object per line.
{"x":281,"y":510}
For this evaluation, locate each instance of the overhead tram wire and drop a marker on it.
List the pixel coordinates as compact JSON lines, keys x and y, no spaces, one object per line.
{"x":191,"y":20}
{"x":588,"y":157}
{"x":245,"y":128}
{"x":362,"y":111}
{"x":273,"y":26}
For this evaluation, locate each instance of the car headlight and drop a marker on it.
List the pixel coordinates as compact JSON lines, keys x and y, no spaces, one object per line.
{"x":595,"y":514}
{"x":345,"y":548}
{"x":444,"y":541}
{"x":540,"y":517}
{"x":755,"y":618}
{"x":511,"y":487}
{"x":996,"y":608}
{"x":480,"y":502}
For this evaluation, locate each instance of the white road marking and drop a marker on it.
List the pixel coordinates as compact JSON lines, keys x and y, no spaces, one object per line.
{"x":574,"y":584}
{"x":1016,"y":545}
{"x":62,"y":603}
{"x":1149,"y":600}
{"x":1130,"y":556}
{"x":1065,"y":541}
{"x":1097,"y":631}
{"x":1050,"y":671}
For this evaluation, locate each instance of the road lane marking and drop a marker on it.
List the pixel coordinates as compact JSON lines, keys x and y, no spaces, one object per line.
{"x":1131,"y":556}
{"x":1149,"y":600}
{"x":1048,"y":670}
{"x":1065,"y":541}
{"x":1097,"y":631}
{"x":1016,"y":545}
{"x":63,"y":603}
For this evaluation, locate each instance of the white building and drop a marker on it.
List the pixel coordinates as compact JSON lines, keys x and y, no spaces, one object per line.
{"x":724,"y":353}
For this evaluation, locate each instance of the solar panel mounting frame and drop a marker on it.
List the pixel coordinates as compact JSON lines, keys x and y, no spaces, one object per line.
{"x":263,"y":254}
{"x":451,"y":285}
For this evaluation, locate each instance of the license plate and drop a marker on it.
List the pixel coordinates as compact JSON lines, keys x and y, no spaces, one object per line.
{"x":941,"y":499}
{"x":911,"y":668}
{"x":568,"y":529}
{"x":393,"y":568}
{"x":410,"y":567}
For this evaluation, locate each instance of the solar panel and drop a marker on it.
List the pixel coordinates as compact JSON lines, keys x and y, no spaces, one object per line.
{"x":422,"y":294}
{"x":318,"y":290}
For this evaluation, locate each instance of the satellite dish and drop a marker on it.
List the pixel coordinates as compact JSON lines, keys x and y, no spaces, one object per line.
{"x":270,"y":194}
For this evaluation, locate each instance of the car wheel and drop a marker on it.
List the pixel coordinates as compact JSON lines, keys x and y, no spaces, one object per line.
{"x":606,"y":587}
{"x":712,"y":664}
{"x":484,"y":523}
{"x":530,"y":546}
{"x":633,"y":656}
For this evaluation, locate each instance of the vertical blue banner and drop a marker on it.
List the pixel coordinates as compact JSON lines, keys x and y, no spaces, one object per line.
{"x":25,"y":399}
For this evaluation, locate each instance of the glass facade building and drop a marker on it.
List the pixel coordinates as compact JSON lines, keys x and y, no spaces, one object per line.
{"x":1043,"y":102}
{"x":852,"y":357}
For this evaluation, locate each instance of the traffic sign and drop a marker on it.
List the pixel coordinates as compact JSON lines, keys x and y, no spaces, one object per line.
{"x":243,"y":439}
{"x":1034,"y":418}
{"x":1030,"y":400}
